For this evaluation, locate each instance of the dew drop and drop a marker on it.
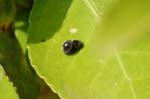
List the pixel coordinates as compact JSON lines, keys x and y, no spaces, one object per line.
{"x":73,"y":30}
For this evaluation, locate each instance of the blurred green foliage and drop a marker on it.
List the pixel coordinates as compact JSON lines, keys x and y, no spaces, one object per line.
{"x":14,"y":60}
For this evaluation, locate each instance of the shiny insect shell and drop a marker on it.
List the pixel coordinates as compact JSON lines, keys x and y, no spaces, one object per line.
{"x":71,"y":47}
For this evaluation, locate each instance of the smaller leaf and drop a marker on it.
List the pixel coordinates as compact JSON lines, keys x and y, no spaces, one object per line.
{"x":22,"y":39}
{"x":7,"y":91}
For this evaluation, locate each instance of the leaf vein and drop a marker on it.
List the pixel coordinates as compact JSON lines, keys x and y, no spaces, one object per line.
{"x":121,"y":64}
{"x":90,"y":4}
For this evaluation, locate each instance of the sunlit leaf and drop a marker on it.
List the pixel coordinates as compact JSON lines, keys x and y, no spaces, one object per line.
{"x":7,"y":91}
{"x":114,"y":63}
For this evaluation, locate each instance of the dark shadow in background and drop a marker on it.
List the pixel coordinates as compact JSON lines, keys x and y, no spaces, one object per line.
{"x":47,"y":18}
{"x":19,"y":70}
{"x":16,"y":65}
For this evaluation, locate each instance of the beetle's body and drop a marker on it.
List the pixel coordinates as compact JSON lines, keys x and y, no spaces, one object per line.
{"x":71,"y":47}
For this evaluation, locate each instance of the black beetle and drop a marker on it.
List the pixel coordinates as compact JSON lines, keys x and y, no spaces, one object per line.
{"x":71,"y":47}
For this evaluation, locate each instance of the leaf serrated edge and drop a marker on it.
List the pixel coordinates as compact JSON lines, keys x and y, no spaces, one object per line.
{"x":53,"y":88}
{"x":10,"y":82}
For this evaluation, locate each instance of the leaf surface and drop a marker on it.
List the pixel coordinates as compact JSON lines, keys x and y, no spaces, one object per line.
{"x":7,"y":91}
{"x":114,"y":63}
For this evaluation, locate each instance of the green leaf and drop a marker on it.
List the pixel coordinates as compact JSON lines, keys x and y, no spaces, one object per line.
{"x":7,"y":91}
{"x":22,"y":38}
{"x":114,"y":63}
{"x":19,"y":71}
{"x":21,"y":24}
